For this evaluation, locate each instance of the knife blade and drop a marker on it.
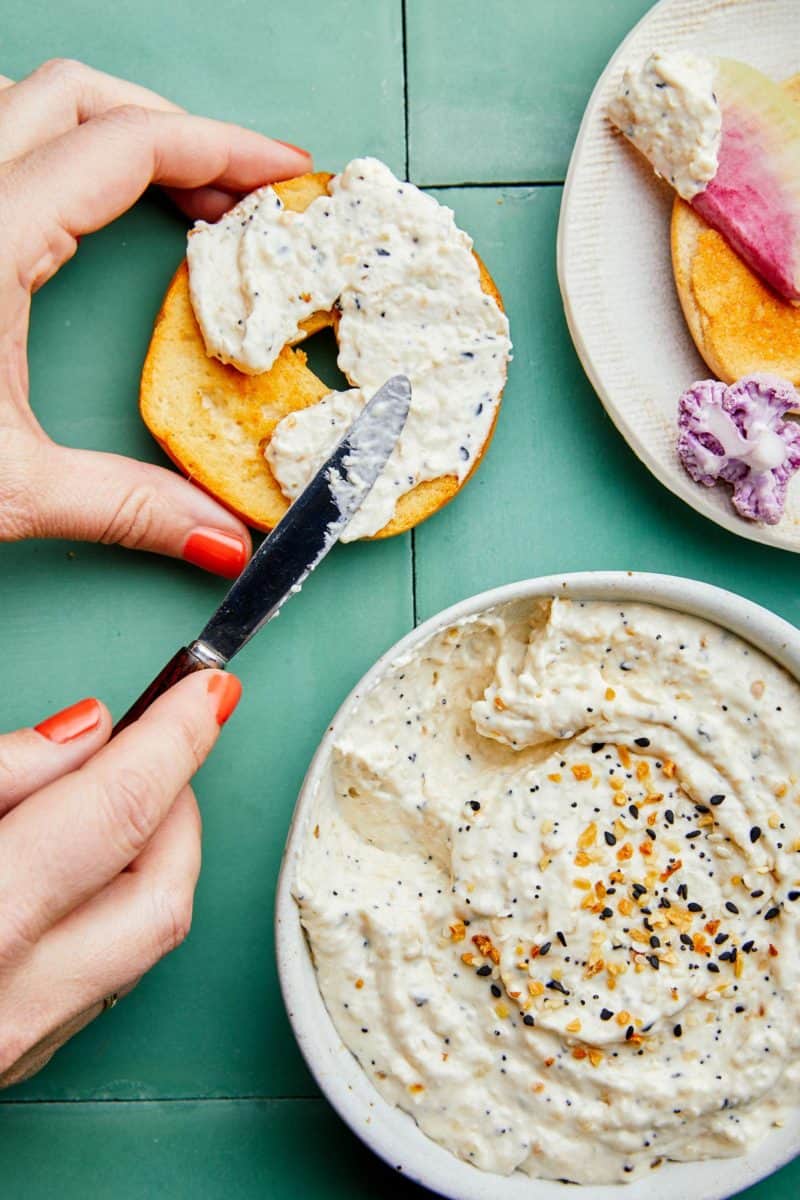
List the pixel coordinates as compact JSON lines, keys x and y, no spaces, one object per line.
{"x":298,"y":543}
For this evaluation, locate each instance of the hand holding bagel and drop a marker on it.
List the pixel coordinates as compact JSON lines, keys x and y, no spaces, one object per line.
{"x":77,"y":148}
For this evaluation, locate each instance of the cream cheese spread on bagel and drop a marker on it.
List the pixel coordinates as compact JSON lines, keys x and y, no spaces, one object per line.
{"x":409,"y":300}
{"x":552,"y":889}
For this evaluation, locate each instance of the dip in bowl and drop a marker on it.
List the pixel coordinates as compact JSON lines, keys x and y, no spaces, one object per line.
{"x":540,"y":905}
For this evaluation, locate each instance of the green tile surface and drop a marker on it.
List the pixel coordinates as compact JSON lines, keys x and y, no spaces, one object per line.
{"x":497,"y":90}
{"x":193,"y":1086}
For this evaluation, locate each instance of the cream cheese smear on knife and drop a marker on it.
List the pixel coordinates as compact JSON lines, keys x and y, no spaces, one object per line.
{"x":408,"y":294}
{"x":551,"y":885}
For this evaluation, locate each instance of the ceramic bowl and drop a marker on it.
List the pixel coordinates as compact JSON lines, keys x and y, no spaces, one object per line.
{"x":387,"y":1130}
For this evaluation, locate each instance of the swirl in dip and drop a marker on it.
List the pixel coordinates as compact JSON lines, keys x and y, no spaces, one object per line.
{"x":552,"y":889}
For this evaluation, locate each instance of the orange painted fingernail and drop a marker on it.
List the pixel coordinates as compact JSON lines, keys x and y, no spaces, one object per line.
{"x":291,"y":146}
{"x":227,"y":689}
{"x":216,"y":551}
{"x":71,"y":723}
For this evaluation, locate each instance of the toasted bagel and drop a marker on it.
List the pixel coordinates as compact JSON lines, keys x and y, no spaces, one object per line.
{"x":738,"y":324}
{"x":214,"y":421}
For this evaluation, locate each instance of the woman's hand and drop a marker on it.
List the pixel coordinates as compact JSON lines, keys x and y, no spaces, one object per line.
{"x":77,"y":148}
{"x":100,"y":846}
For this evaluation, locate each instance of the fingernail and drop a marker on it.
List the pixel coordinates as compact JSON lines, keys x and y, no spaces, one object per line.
{"x":227,"y":689}
{"x":213,"y":550}
{"x":71,"y":723}
{"x":291,"y":146}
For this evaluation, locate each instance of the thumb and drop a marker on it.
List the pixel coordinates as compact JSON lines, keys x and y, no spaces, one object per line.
{"x":106,"y":498}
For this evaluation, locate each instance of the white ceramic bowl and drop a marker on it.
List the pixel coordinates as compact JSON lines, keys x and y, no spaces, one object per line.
{"x":387,"y":1130}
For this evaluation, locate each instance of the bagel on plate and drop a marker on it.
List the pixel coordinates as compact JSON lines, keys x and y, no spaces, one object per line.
{"x":739,"y":325}
{"x":216,"y":419}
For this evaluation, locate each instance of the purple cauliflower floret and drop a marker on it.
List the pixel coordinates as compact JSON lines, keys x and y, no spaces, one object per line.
{"x":738,"y":434}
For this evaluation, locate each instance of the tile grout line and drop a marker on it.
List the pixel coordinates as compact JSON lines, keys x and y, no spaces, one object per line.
{"x":492,"y":183}
{"x":407,"y":159}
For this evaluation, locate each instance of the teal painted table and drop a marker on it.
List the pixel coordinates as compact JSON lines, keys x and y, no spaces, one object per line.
{"x":193,"y":1086}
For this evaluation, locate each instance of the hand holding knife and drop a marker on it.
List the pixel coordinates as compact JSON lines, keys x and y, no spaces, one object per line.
{"x":312,"y":525}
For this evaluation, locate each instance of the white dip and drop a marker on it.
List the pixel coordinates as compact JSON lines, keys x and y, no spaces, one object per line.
{"x":408,"y":292}
{"x":552,"y":889}
{"x":668,"y":109}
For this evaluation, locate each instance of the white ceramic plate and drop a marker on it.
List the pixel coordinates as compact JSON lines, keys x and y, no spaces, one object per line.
{"x":614,"y":255}
{"x":392,"y":1133}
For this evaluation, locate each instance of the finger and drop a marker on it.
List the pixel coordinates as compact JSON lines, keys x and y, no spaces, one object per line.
{"x":5,"y":82}
{"x":32,"y":758}
{"x":121,"y":932}
{"x":98,"y":497}
{"x":59,"y":95}
{"x":90,"y":175}
{"x":39,"y":1055}
{"x":203,"y":204}
{"x":66,"y":842}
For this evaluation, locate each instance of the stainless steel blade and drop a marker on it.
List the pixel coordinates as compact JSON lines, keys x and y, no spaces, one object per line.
{"x":312,"y":525}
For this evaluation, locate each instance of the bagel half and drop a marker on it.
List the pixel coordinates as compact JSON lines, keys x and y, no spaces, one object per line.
{"x":214,"y":421}
{"x":739,"y":325}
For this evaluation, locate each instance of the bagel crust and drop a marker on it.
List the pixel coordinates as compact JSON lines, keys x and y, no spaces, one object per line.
{"x":738,"y":324}
{"x":214,"y":421}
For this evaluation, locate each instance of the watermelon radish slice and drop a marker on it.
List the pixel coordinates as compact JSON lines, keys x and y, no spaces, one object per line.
{"x":752,"y":194}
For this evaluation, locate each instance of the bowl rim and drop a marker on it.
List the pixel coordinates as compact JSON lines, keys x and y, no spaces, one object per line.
{"x":392,"y":1133}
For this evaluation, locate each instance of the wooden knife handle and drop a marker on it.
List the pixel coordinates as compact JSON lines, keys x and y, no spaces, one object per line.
{"x":189,"y":659}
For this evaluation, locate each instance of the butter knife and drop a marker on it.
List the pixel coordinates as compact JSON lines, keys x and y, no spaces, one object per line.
{"x":297,"y":544}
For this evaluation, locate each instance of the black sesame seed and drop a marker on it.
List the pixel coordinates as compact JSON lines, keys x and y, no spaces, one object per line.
{"x":713,"y":968}
{"x":605,"y":914}
{"x":755,"y":833}
{"x":693,"y":833}
{"x":561,"y":938}
{"x":527,"y":1019}
{"x":651,"y":833}
{"x":678,"y":1031}
{"x":642,"y":741}
{"x":716,"y":799}
{"x":634,"y":811}
{"x":687,"y":941}
{"x":793,"y":896}
{"x":731,"y":907}
{"x":606,"y":1014}
{"x":475,"y":805}
{"x":655,"y":942}
{"x":669,"y":816}
{"x":629,"y":1032}
{"x":638,"y":890}
{"x":496,"y":991}
{"x":484,"y":970}
{"x":610,"y":839}
{"x":544,"y":949}
{"x":748,"y":946}
{"x":720,"y":938}
{"x":653,"y":960}
{"x":556,"y":985}
{"x":597,"y":747}
{"x":771,"y":914}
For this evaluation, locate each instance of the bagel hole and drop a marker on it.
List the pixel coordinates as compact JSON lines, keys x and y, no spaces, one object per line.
{"x":322,"y":351}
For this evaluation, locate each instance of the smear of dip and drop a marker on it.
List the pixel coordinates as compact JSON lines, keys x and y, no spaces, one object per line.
{"x":666,"y":106}
{"x":410,"y":302}
{"x":552,"y":889}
